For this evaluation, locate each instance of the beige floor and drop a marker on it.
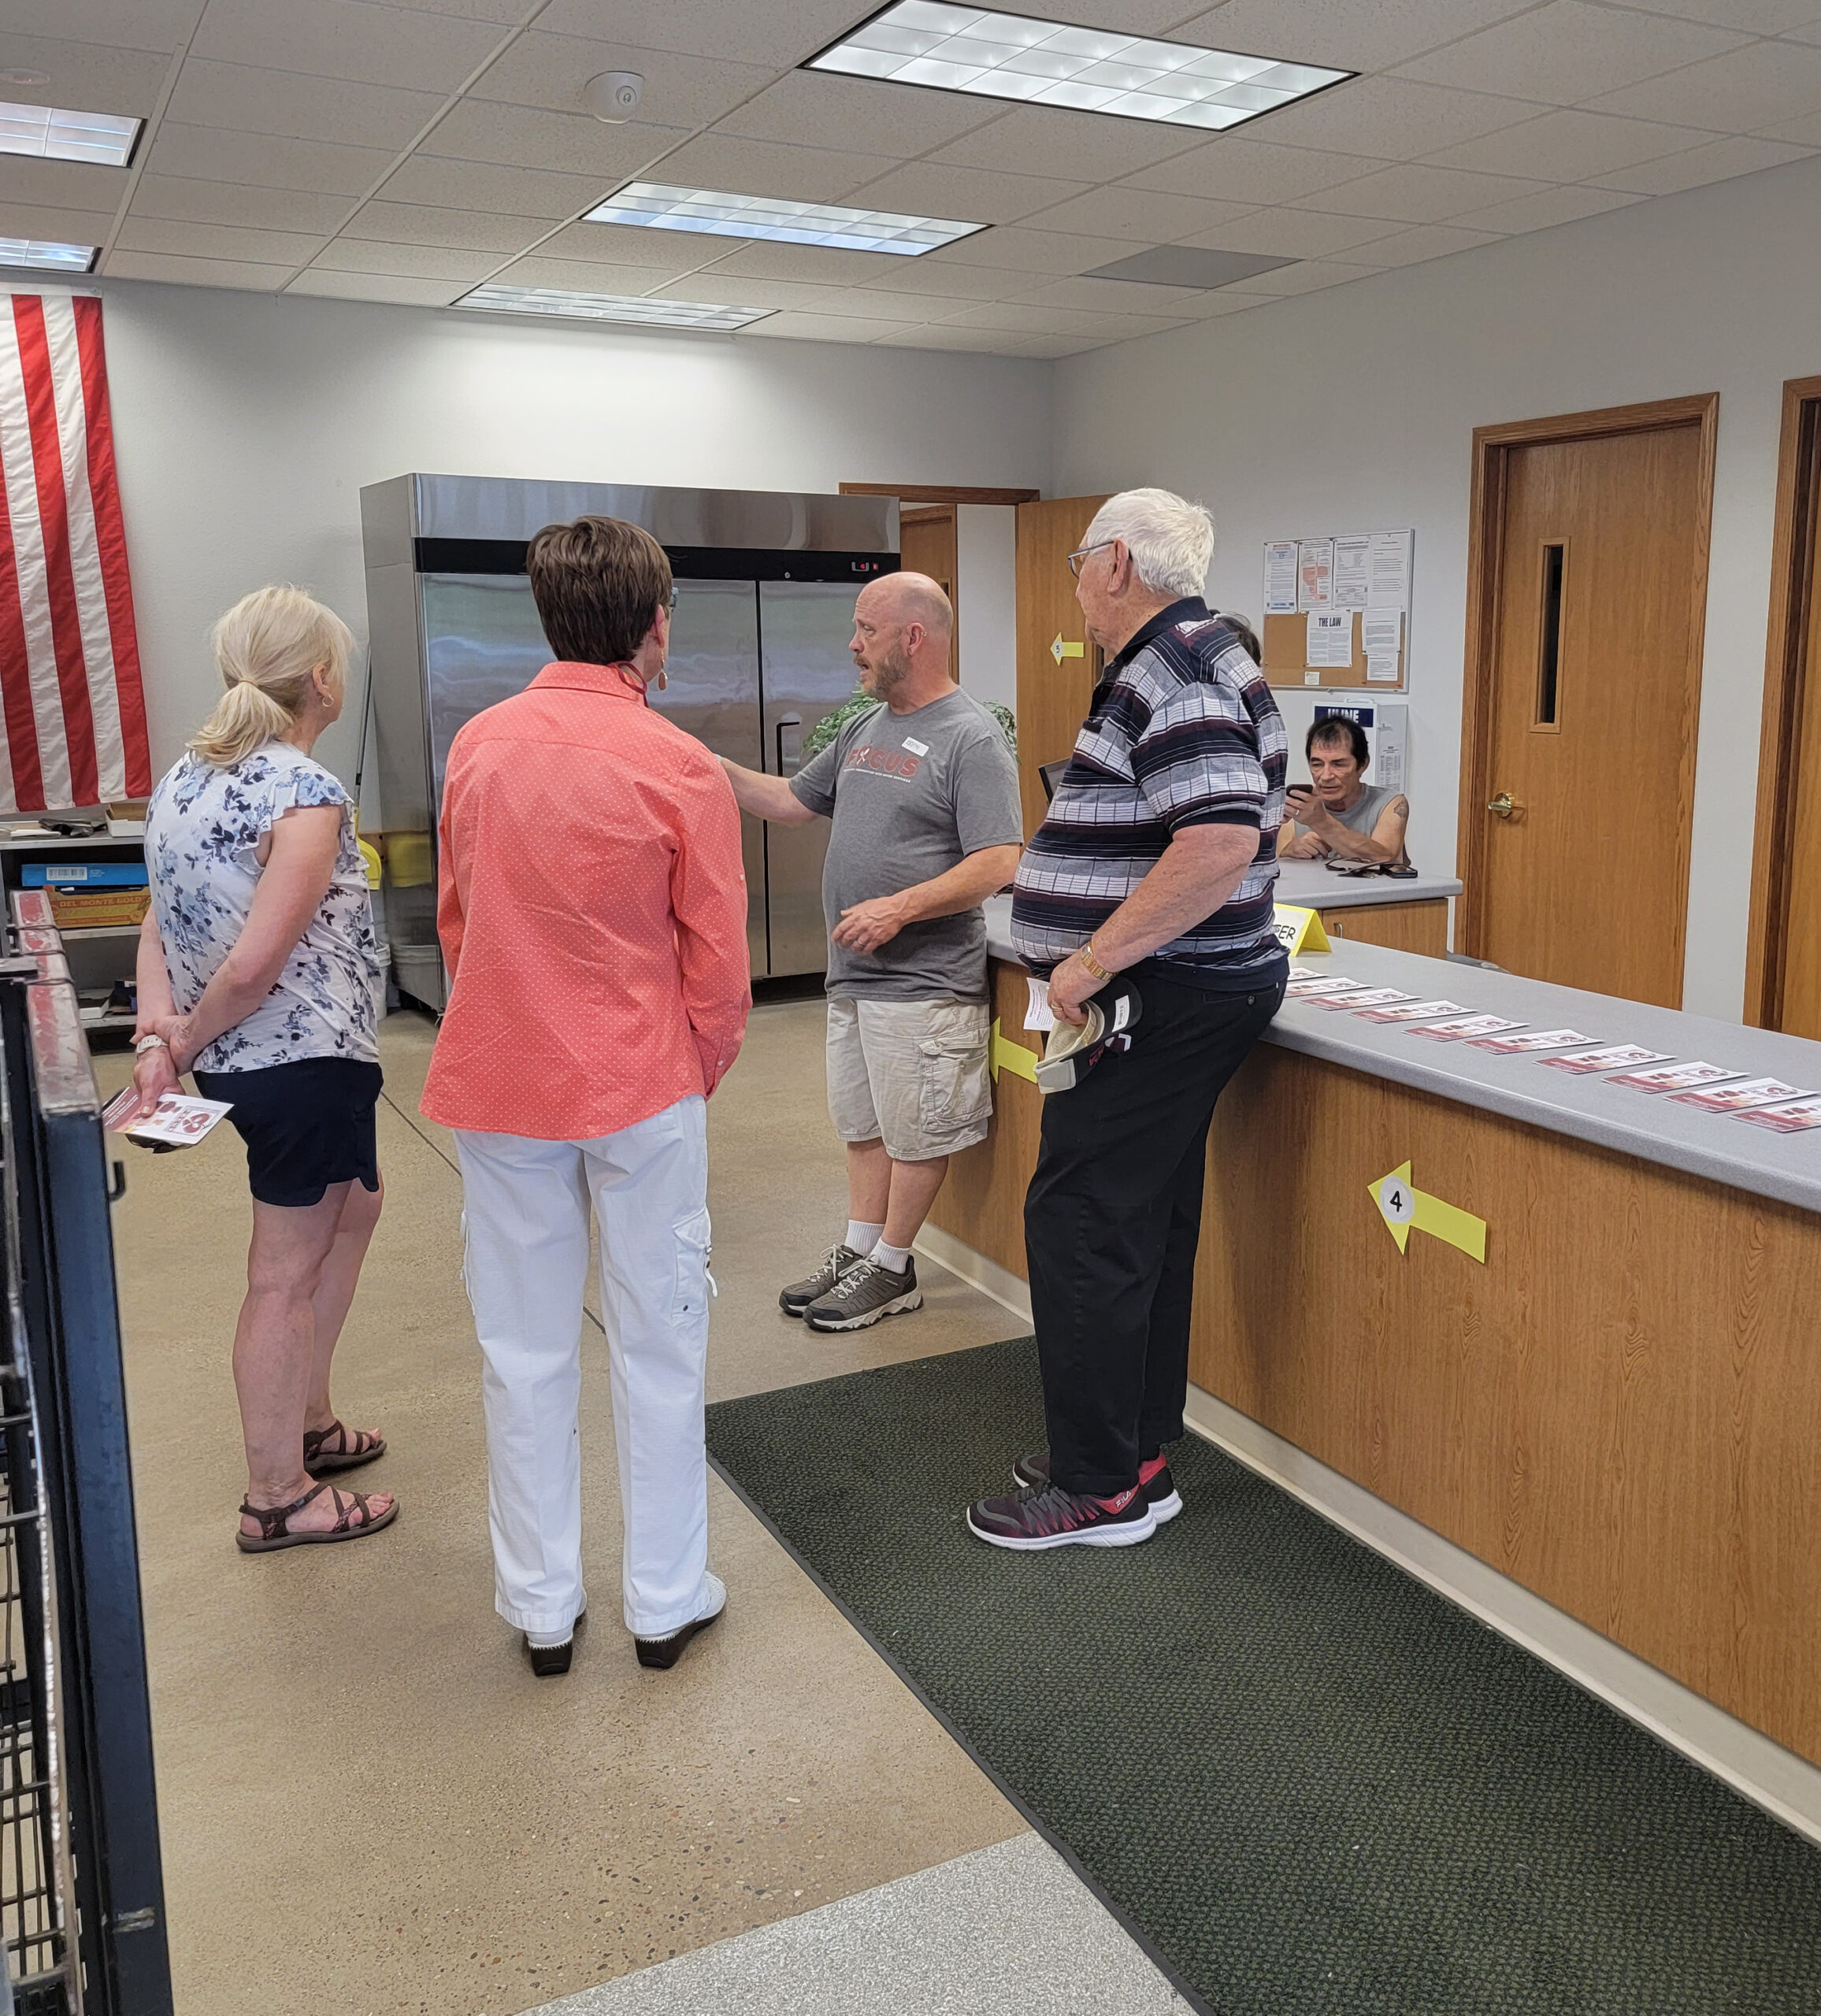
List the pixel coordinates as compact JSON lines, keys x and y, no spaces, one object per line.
{"x":368,"y":1804}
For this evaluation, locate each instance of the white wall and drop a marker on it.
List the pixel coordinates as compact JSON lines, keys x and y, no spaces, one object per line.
{"x":247,"y":426}
{"x":1354,"y":408}
{"x":986,"y":600}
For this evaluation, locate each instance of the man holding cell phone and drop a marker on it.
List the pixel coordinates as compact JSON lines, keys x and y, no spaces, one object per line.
{"x":1338,"y":815}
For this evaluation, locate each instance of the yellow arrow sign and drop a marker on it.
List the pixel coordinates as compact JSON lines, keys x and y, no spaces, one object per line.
{"x":1010,"y":1056}
{"x":1402,"y":1205}
{"x":1061,"y":649}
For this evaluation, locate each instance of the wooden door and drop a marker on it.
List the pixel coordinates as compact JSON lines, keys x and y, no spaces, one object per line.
{"x":1783,"y":970}
{"x":1591,"y":540}
{"x":926,"y":535}
{"x":1054,"y":685}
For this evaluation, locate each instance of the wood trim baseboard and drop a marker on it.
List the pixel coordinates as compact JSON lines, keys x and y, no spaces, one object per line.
{"x":939,"y":493}
{"x":1793,"y":545}
{"x":1485,"y":553}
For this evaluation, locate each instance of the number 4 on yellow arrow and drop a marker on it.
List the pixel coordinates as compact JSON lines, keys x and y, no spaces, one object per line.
{"x":1401,"y":1205}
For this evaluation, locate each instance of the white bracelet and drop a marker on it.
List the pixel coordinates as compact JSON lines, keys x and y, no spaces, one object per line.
{"x":151,"y":1042}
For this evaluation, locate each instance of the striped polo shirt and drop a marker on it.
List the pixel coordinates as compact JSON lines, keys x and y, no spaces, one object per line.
{"x":1183,"y":730}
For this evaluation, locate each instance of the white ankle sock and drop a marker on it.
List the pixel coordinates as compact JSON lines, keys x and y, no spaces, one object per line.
{"x":896,"y":1257}
{"x":548,"y":1641}
{"x":862,"y":1238}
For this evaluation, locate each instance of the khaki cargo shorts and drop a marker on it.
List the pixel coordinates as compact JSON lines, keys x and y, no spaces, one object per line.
{"x":911,"y":1073}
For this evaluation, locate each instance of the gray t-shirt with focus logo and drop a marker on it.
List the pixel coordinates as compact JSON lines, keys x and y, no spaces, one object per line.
{"x":911,"y":795}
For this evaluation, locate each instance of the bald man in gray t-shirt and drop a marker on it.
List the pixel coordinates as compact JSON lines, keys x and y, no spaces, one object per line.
{"x":922,"y":790}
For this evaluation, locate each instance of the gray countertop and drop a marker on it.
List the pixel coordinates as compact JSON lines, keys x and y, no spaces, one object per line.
{"x":1649,"y":1125}
{"x":1310,"y":886}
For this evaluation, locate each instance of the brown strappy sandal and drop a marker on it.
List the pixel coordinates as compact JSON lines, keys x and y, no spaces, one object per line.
{"x":354,"y":1446}
{"x":274,"y":1521}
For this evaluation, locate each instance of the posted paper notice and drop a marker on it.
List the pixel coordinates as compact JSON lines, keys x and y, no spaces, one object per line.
{"x":1352,"y":572}
{"x":1389,"y":568}
{"x":1281,"y":559}
{"x":1330,"y":640}
{"x":1315,"y":573}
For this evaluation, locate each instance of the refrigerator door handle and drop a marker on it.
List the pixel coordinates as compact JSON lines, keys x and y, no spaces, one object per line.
{"x":784,"y":721}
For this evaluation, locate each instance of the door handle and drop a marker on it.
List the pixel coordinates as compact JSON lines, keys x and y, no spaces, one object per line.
{"x":1503,"y":805}
{"x":784,"y":721}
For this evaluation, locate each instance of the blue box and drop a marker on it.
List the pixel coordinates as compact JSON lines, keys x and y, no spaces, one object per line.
{"x":83,"y":874}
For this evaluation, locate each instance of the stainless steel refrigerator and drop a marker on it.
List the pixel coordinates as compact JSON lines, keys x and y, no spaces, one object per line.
{"x":765,"y":584}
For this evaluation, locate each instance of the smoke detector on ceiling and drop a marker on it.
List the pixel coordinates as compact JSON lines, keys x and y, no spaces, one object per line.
{"x":30,"y":78}
{"x":614,"y":96}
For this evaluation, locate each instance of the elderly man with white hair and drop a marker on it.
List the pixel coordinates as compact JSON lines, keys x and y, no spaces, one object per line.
{"x":1150,"y":879}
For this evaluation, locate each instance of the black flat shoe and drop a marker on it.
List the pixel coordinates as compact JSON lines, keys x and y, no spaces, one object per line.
{"x":663,"y":1653}
{"x":547,"y":1661}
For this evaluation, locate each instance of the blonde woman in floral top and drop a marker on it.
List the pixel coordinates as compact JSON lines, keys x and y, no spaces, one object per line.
{"x":255,"y":971}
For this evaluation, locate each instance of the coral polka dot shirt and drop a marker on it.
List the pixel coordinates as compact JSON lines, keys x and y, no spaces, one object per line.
{"x":591,"y":905}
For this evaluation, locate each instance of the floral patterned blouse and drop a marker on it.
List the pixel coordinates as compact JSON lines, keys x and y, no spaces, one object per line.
{"x":203,"y":827}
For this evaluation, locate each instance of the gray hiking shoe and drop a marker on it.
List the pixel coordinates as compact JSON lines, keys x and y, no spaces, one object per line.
{"x":863,"y":1295}
{"x":840,"y":1260}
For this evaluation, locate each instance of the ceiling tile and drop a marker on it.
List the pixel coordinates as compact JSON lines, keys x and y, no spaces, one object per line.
{"x":780,"y":36}
{"x":946,"y":280}
{"x":423,"y":262}
{"x":1565,"y":52}
{"x":1547,"y":207}
{"x":1127,"y":213}
{"x":159,"y":24}
{"x":83,"y":76}
{"x":1392,"y":118}
{"x":940,"y":336}
{"x":421,"y":223}
{"x":371,"y":45}
{"x":763,"y":168}
{"x":61,"y":226}
{"x":860,"y":115}
{"x":1239,"y":171}
{"x":400,"y":289}
{"x":507,"y":13}
{"x":1427,"y":241}
{"x":1568,"y":147}
{"x":185,"y":201}
{"x":1718,"y":161}
{"x":61,"y":185}
{"x":1025,"y":318}
{"x":521,"y":136}
{"x":552,"y":70}
{"x":1079,"y":146}
{"x":582,"y":277}
{"x":1121,"y":16}
{"x":1811,"y":33}
{"x":1416,"y":194}
{"x":285,"y":103}
{"x":970,"y":195}
{"x":1113,"y":297}
{"x":627,"y":245}
{"x":1344,"y":35}
{"x":826,"y":329}
{"x":193,"y":272}
{"x":1052,"y":347}
{"x":214,"y":154}
{"x":818,"y":264}
{"x":1018,"y":248}
{"x":1309,"y":276}
{"x":479,"y":185}
{"x":734,"y":290}
{"x":1760,"y":85}
{"x":1805,"y":132}
{"x":1755,"y":16}
{"x":220,"y":241}
{"x":1294,"y":234}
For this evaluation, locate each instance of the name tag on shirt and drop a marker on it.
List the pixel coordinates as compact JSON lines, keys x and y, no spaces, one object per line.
{"x":916,"y":748}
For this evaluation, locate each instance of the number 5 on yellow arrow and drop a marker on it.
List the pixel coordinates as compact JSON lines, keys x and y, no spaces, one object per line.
{"x":1401,"y":1205}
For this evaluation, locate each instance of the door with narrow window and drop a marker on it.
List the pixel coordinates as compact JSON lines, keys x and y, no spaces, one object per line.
{"x":1580,"y":791}
{"x":927,"y":545}
{"x":1058,"y":662}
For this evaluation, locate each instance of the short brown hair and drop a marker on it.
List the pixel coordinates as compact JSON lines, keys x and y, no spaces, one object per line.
{"x":597,"y":584}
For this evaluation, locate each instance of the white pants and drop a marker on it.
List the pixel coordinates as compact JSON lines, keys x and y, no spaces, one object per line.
{"x":526,"y":1223}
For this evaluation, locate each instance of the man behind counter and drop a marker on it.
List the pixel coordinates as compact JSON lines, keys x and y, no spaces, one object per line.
{"x":1339,"y":813}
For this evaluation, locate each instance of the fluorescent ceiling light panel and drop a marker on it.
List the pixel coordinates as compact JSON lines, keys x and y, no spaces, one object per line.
{"x":638,"y":309}
{"x":658,"y":206}
{"x":1037,"y":62}
{"x":52,"y":135}
{"x":46,"y":253}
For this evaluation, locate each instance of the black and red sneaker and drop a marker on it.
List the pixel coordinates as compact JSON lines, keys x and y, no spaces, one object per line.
{"x":1033,"y":1472}
{"x":1049,"y":1517}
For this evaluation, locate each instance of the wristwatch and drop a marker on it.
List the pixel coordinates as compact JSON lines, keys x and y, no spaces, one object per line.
{"x":151,"y":1042}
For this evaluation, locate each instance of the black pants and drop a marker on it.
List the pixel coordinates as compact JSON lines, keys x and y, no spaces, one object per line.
{"x":1112,"y":1219}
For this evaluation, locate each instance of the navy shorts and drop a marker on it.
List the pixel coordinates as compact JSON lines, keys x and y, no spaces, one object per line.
{"x":306,"y":1124}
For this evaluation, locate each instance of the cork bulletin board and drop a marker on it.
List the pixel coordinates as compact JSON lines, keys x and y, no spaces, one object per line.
{"x":1337,"y":611}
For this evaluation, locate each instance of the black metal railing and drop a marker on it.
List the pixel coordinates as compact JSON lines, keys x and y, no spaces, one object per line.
{"x":81,"y":1882}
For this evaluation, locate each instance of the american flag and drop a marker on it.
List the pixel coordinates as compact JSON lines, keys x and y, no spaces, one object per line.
{"x":72,"y":714}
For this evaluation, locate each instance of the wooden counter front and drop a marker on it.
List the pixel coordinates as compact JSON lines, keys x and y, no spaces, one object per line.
{"x":1620,"y":1410}
{"x":1419,"y":927}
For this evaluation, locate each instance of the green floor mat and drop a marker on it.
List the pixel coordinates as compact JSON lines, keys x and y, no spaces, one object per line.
{"x":1311,"y":1787}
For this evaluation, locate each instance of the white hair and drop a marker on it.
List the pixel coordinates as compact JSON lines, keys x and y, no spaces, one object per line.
{"x":1170,"y":540}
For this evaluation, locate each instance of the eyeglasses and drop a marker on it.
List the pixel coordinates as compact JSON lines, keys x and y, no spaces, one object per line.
{"x":1081,"y":553}
{"x":670,"y":602}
